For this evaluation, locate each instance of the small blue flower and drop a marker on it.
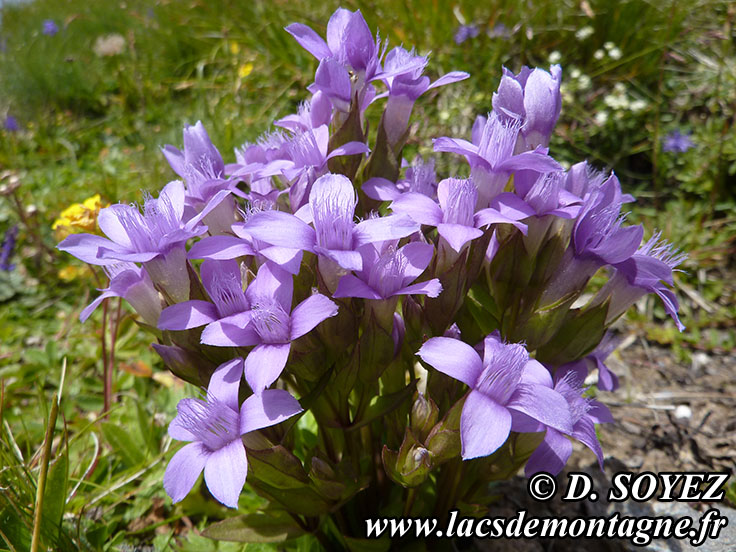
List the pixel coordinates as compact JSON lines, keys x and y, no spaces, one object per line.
{"x":6,"y":250}
{"x":464,"y":32}
{"x":50,"y":27}
{"x":11,"y":124}
{"x":677,"y":142}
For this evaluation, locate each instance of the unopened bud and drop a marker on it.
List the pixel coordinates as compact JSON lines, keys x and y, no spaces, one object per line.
{"x":424,"y":413}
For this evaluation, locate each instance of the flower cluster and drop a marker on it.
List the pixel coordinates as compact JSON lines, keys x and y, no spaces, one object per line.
{"x":421,"y":320}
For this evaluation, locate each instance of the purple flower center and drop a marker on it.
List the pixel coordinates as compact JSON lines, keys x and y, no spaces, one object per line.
{"x":211,"y":421}
{"x":662,"y":250}
{"x":386,"y":275}
{"x":571,"y":388}
{"x":498,"y":140}
{"x":304,"y":150}
{"x":460,"y":203}
{"x":333,"y":209}
{"x":544,"y":195}
{"x":502,"y":372}
{"x":146,"y":231}
{"x":271,"y":322}
{"x":201,"y":171}
{"x":226,"y":292}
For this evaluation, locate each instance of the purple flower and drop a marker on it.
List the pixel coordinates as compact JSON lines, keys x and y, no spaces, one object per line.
{"x":243,"y":244}
{"x":677,"y":142}
{"x":349,"y":42}
{"x":548,"y":196}
{"x":506,"y":390}
{"x":598,"y":238}
{"x":349,"y":59}
{"x":598,"y":234}
{"x":312,"y":114}
{"x":11,"y":124}
{"x":49,"y":27}
{"x":420,"y":177}
{"x":388,"y":272}
{"x":335,"y":235}
{"x":155,"y":238}
{"x":464,"y":32}
{"x":607,"y":380}
{"x":403,"y":75}
{"x":203,"y":170}
{"x":270,"y":325}
{"x":491,"y":155}
{"x":214,"y":425}
{"x":6,"y":250}
{"x":308,"y":156}
{"x":132,"y":283}
{"x":583,"y":179}
{"x":223,"y":282}
{"x":649,"y":270}
{"x":533,"y":96}
{"x":455,"y":216}
{"x":554,"y":451}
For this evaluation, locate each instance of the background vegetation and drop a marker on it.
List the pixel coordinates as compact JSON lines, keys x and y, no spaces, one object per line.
{"x":86,"y":114}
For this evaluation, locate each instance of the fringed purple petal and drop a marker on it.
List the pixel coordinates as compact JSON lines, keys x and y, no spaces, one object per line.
{"x":543,"y":404}
{"x":272,"y":283}
{"x":86,"y":248}
{"x":584,"y":432}
{"x":281,"y":229}
{"x":392,"y":227}
{"x":183,"y":470}
{"x":458,"y":235}
{"x":309,"y":313}
{"x":271,"y":407}
{"x":449,"y":78}
{"x":187,"y":315}
{"x":233,"y":331}
{"x":225,"y":383}
{"x":484,"y":426}
{"x":351,"y":286}
{"x":309,"y":40}
{"x":225,"y":472}
{"x":220,"y":248}
{"x":288,"y":259}
{"x":551,"y":455}
{"x":430,"y":288}
{"x":264,"y":364}
{"x":349,"y":260}
{"x":454,"y":358}
{"x":89,"y":309}
{"x":380,"y":189}
{"x":419,"y":207}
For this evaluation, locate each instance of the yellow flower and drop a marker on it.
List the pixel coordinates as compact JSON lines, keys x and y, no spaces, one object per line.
{"x":69,"y":273}
{"x":234,"y":48}
{"x":245,"y":70}
{"x":78,"y":217}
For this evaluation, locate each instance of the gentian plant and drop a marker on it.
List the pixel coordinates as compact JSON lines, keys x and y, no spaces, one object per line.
{"x":370,"y":339}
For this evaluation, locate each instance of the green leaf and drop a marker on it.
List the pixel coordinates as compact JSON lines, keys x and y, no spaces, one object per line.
{"x":382,"y":405}
{"x":123,"y":443}
{"x":267,"y":526}
{"x":54,"y":495}
{"x":14,"y":529}
{"x":278,"y":467}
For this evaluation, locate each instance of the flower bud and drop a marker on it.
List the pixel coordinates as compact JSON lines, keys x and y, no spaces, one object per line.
{"x":410,"y":466}
{"x":423,"y":417}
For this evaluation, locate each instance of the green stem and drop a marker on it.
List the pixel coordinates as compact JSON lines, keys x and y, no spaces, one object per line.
{"x":45,"y":459}
{"x":411,"y":496}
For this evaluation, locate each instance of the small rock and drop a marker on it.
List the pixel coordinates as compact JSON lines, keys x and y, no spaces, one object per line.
{"x":683,"y":412}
